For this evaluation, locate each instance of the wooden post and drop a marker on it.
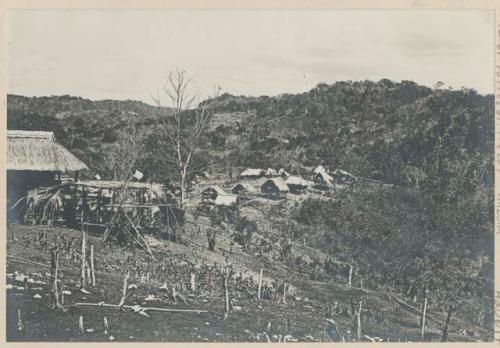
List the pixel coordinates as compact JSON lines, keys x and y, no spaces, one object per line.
{"x":83,"y":279}
{"x":92,"y":269}
{"x":423,"y":316}
{"x":284,"y":293}
{"x":351,"y":269}
{"x":124,"y":290}
{"x":359,"y":319}
{"x":84,"y":203}
{"x":105,"y":320}
{"x":98,"y":210}
{"x":444,"y":336}
{"x":20,"y":326}
{"x":226,"y":293}
{"x":80,"y":324}
{"x":193,"y":282}
{"x":54,"y":266}
{"x":260,"y":284}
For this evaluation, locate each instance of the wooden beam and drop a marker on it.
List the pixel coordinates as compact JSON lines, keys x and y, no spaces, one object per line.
{"x":172,"y":310}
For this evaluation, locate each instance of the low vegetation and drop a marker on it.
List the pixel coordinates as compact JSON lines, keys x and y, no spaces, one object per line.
{"x":417,"y":224}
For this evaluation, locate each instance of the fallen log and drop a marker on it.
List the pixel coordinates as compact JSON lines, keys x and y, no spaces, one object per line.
{"x":135,"y":308}
{"x":192,"y":241}
{"x":20,"y":259}
{"x":27,"y":261}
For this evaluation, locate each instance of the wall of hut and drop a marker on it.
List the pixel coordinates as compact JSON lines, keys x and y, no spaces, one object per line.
{"x":272,"y":192}
{"x":19,"y":182}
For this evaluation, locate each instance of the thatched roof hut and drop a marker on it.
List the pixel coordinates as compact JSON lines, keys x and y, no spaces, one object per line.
{"x":270,"y":172}
{"x":38,"y":151}
{"x":252,"y":173}
{"x":283,"y":173}
{"x":226,"y":200}
{"x":211,"y":193}
{"x":275,"y":188}
{"x":35,"y":159}
{"x":319,"y":169}
{"x":323,"y":181}
{"x":296,"y":184}
{"x":243,"y":188}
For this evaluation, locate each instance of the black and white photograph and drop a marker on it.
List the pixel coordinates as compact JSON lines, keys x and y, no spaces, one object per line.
{"x":249,"y":175}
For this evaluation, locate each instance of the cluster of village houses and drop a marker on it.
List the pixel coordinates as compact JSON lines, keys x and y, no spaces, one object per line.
{"x":275,"y":184}
{"x":35,"y":160}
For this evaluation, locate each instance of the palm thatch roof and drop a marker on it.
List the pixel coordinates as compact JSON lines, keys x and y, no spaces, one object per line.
{"x":214,"y":189}
{"x":226,"y":200}
{"x":340,"y":172}
{"x":296,"y":181}
{"x":277,"y":183}
{"x":243,"y":187}
{"x":271,"y":172}
{"x":38,"y":151}
{"x":319,"y":169}
{"x":323,"y":178}
{"x":252,"y":172}
{"x":283,"y":173}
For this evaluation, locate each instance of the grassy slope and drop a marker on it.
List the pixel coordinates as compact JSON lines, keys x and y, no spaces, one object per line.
{"x":303,"y":320}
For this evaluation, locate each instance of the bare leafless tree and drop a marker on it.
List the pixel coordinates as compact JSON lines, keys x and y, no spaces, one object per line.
{"x":183,"y":122}
{"x":122,"y":158}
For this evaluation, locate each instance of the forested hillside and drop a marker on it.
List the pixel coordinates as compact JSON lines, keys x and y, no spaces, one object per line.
{"x":397,"y":132}
{"x":432,"y":228}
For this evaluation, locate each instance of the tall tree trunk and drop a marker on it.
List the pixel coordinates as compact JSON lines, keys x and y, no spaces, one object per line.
{"x":183,"y":186}
{"x":183,"y":193}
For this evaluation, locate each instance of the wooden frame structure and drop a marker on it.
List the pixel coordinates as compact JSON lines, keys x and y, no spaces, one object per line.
{"x":108,"y":207}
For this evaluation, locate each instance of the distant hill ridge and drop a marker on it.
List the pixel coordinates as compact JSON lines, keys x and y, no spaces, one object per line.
{"x":385,"y":129}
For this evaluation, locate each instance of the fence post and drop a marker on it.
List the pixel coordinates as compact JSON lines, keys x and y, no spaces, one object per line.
{"x":260,"y":284}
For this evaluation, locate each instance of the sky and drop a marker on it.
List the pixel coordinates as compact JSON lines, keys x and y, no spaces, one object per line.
{"x":127,"y":54}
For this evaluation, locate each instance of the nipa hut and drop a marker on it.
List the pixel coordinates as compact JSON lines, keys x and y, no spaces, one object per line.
{"x":322,"y":180}
{"x":319,"y":169}
{"x":275,"y":188}
{"x":270,"y":172}
{"x":283,"y":173}
{"x":251,"y":173}
{"x":210,"y":193}
{"x":35,"y":159}
{"x":227,"y":200}
{"x":215,"y":195}
{"x":296,"y":184}
{"x":244,"y":190}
